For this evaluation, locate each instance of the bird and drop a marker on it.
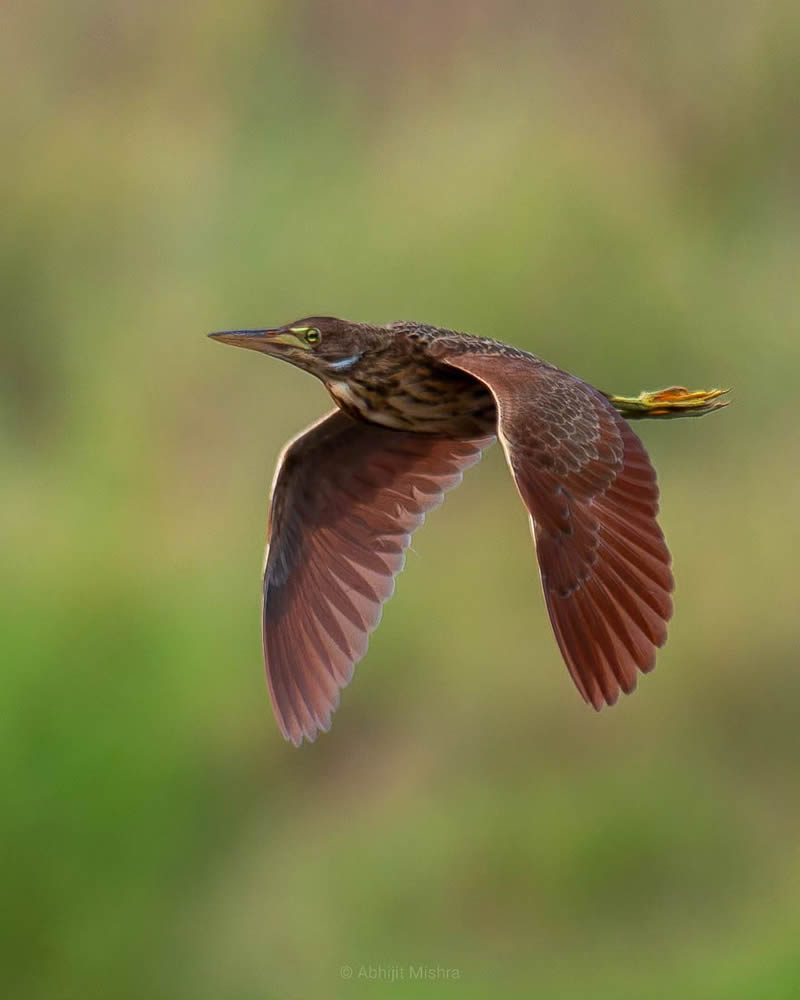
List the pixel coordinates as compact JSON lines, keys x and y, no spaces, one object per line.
{"x":416,"y":406}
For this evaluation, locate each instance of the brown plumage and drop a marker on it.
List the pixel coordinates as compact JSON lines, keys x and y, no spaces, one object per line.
{"x":416,"y":407}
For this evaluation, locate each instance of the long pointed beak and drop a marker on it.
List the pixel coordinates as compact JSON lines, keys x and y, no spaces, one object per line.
{"x":254,"y":339}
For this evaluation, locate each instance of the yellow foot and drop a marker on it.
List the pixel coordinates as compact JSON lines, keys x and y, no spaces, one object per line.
{"x":673,"y":402}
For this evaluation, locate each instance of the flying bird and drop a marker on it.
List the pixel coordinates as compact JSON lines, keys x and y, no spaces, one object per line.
{"x":415,"y":407}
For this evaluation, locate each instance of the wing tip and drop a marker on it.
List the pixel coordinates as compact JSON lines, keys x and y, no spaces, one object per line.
{"x":600,"y":700}
{"x":304,"y":734}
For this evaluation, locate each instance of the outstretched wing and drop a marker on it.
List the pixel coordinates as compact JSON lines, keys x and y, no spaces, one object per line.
{"x":591,"y":492}
{"x":346,"y":498}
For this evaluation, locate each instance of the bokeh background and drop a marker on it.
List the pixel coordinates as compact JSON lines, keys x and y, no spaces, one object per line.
{"x":613,"y":186}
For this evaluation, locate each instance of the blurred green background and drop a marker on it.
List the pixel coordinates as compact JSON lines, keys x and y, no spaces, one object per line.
{"x":613,"y":186}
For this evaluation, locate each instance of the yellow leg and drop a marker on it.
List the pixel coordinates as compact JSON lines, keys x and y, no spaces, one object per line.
{"x":673,"y":402}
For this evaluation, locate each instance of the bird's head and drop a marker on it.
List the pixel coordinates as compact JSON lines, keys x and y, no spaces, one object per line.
{"x":322,"y":345}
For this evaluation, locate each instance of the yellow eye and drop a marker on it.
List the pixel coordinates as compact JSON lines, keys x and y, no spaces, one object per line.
{"x":313,"y":336}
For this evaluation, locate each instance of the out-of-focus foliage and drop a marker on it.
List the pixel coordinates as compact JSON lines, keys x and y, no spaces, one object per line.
{"x":614,"y":186}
